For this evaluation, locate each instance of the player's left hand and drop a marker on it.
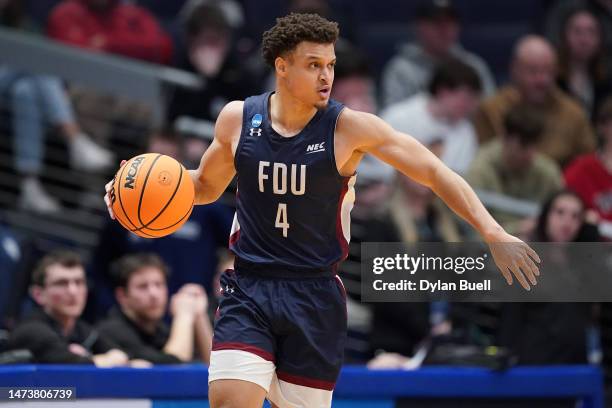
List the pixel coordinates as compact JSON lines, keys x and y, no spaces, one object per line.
{"x":514,"y":257}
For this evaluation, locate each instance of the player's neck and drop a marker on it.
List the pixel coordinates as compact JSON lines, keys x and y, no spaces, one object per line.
{"x":288,"y":114}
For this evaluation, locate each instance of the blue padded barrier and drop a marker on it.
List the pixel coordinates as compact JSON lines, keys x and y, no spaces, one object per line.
{"x":357,"y":387}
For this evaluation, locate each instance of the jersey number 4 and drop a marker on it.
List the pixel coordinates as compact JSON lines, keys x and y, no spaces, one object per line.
{"x":281,"y":218}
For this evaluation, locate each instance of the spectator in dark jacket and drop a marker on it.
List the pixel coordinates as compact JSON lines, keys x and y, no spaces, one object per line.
{"x":138,"y":326}
{"x":552,"y":333}
{"x":583,"y":67}
{"x":54,"y":333}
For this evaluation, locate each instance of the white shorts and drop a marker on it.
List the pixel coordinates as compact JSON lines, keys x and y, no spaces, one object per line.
{"x":246,"y":366}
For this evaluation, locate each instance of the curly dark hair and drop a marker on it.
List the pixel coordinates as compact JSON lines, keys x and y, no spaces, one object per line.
{"x":291,"y":30}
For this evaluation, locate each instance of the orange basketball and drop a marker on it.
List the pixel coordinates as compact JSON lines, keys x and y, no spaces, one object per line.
{"x":152,"y":195}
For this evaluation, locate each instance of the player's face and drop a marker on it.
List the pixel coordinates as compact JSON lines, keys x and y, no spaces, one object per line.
{"x":564,"y":219}
{"x":65,"y":292}
{"x":310,"y":73}
{"x":146,"y":294}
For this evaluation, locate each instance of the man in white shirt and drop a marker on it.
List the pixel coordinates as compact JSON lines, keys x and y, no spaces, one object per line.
{"x":442,"y":115}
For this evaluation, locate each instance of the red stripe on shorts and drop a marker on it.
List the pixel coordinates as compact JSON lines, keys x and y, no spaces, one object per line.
{"x":244,"y":347}
{"x":306,"y":382}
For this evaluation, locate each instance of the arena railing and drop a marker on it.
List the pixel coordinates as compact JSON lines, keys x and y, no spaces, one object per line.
{"x":141,"y":82}
{"x":108,"y":73}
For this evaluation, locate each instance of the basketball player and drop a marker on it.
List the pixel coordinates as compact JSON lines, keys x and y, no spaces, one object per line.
{"x":281,"y":323}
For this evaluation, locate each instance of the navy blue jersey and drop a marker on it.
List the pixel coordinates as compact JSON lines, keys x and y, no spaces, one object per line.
{"x":293,"y":207}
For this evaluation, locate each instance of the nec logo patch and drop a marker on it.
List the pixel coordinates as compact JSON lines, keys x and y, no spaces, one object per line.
{"x":315,"y":148}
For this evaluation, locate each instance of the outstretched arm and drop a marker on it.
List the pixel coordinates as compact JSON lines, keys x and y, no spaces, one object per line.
{"x":369,"y":134}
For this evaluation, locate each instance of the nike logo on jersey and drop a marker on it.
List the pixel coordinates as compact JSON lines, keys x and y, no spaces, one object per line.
{"x":315,"y":148}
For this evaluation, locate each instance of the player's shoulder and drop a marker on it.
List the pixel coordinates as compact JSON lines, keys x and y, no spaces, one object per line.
{"x":354,"y":123}
{"x":232,"y":111}
{"x":229,"y":121}
{"x":359,"y":129}
{"x":352,"y":117}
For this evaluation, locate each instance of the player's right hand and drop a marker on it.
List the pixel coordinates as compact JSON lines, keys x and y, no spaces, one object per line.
{"x":107,"y":195}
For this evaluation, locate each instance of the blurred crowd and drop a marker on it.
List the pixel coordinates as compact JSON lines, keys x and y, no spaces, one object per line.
{"x":534,"y":136}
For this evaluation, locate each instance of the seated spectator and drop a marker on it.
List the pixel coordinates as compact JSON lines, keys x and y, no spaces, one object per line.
{"x":558,"y":12}
{"x":35,"y":103}
{"x":442,"y":114}
{"x":110,"y":26}
{"x":591,"y":175}
{"x":210,"y":54}
{"x":567,"y":132}
{"x":55,"y":333}
{"x":437,"y":38}
{"x":397,"y":328}
{"x":551,"y":333}
{"x":419,"y":216}
{"x":583,"y":71}
{"x":137,"y":326}
{"x":191,"y":252}
{"x":511,"y":165}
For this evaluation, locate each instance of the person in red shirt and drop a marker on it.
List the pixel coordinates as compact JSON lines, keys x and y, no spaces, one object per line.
{"x":110,"y":26}
{"x":590,"y":175}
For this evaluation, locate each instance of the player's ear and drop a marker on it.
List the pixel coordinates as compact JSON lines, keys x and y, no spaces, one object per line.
{"x":281,"y":66}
